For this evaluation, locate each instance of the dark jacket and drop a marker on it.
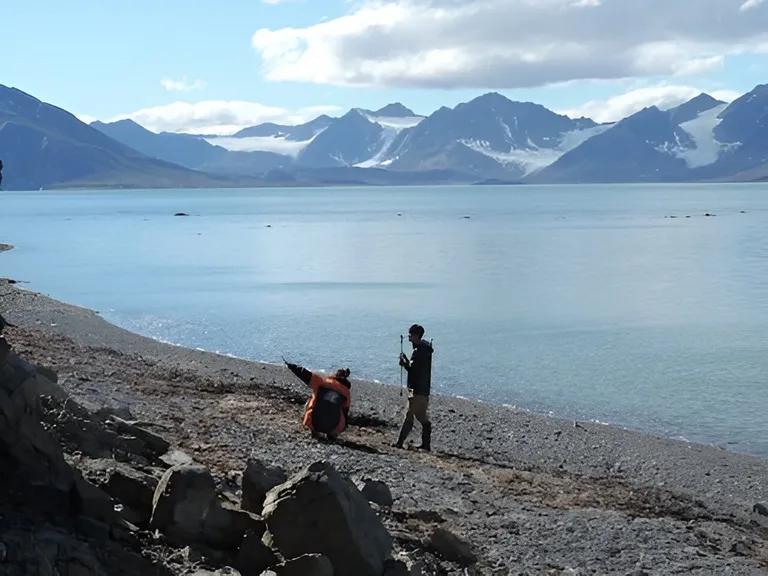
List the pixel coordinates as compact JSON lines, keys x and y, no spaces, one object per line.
{"x":420,"y":369}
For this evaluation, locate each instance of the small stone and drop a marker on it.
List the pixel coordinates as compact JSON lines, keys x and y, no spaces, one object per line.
{"x":451,"y":547}
{"x":376,"y":491}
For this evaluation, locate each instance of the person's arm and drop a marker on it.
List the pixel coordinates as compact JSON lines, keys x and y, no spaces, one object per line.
{"x":301,"y":373}
{"x":404,"y":362}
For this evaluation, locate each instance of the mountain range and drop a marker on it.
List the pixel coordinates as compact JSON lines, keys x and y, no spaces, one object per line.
{"x":488,"y":139}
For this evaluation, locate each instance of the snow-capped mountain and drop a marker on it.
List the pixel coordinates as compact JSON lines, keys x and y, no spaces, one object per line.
{"x":488,"y":138}
{"x":702,"y":139}
{"x":511,"y":139}
{"x":274,"y":138}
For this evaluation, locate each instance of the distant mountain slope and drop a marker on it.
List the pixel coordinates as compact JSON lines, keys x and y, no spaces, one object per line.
{"x":743,"y":132}
{"x":351,"y":139}
{"x":300,"y":132}
{"x":43,"y":146}
{"x":702,"y":139}
{"x":636,"y":149}
{"x":518,"y":137}
{"x":191,"y":151}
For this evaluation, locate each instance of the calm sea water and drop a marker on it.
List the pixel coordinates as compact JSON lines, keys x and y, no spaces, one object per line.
{"x":584,"y":301}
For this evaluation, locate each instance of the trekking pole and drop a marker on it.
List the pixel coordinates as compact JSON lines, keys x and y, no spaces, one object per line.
{"x":401,"y":366}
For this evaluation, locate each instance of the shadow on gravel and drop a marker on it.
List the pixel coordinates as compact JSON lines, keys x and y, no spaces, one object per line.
{"x":352,"y":445}
{"x":367,"y":421}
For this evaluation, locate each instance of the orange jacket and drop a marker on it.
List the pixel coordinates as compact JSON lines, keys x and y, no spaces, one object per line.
{"x":318,"y":383}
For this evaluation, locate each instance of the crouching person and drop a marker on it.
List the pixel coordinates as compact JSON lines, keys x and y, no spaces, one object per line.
{"x":327,"y":410}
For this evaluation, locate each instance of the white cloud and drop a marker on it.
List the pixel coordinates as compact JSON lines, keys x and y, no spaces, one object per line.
{"x":750,"y":4}
{"x":663,"y":96}
{"x":86,"y":118}
{"x":182,"y":85}
{"x":219,"y":117}
{"x":510,"y":43}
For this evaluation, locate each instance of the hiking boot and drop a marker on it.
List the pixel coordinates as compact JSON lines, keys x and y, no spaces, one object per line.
{"x":397,"y":445}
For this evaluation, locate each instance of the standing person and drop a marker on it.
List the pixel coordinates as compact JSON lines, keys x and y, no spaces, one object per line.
{"x":327,"y":410}
{"x":419,"y":369}
{"x":1,"y":173}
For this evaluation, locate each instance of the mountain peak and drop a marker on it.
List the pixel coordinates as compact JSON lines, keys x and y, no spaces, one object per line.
{"x":490,"y":98}
{"x":691,"y":109}
{"x":394,"y":110}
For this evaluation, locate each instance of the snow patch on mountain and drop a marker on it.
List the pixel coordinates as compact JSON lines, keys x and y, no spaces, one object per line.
{"x":380,"y":158}
{"x":706,"y":148}
{"x":391,"y":127}
{"x":276,"y":144}
{"x":396,"y":122}
{"x":533,"y":157}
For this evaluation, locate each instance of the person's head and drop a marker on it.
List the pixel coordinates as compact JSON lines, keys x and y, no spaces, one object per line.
{"x":342,"y":374}
{"x":415,"y":333}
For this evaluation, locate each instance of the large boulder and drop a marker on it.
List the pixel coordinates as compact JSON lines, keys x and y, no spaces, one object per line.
{"x":181,"y":502}
{"x":137,"y":440}
{"x":258,"y":479}
{"x":22,"y":436}
{"x":254,"y":556}
{"x":225,"y":526}
{"x":320,"y":511}
{"x":306,"y":565}
{"x":185,"y":507}
{"x":131,"y":488}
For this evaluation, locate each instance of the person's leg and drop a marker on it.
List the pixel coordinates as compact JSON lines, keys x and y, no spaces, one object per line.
{"x":420,"y":412}
{"x":407,"y":425}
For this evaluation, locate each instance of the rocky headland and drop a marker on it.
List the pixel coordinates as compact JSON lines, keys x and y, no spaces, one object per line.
{"x":123,"y":455}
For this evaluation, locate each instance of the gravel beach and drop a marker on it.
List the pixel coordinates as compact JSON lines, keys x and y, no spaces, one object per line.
{"x":531,"y":494}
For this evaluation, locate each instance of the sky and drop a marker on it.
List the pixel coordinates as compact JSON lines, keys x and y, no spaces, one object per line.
{"x":204,"y":67}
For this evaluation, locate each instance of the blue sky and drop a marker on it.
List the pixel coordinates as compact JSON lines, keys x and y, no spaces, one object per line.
{"x":199,"y":66}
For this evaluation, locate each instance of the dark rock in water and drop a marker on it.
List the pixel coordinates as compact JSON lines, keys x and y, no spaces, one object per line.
{"x":258,"y":479}
{"x":181,"y":214}
{"x":709,"y":214}
{"x":4,"y":247}
{"x":451,"y":547}
{"x":306,"y":565}
{"x":318,"y":510}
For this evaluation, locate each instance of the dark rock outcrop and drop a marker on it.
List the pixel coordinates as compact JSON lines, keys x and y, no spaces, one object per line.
{"x":258,"y":479}
{"x":320,"y":511}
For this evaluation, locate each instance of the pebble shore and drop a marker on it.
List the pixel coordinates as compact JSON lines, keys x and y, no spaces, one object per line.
{"x":532,"y":494}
